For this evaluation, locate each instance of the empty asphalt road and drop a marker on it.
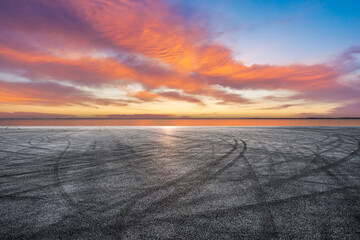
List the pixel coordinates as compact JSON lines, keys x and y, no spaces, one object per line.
{"x":179,"y":182}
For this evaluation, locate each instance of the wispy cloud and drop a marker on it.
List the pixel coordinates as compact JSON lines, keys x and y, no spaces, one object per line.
{"x":98,"y":42}
{"x":34,"y":115}
{"x":135,"y":116}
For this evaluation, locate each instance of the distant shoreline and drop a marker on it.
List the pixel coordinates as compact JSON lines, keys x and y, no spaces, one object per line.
{"x":310,"y":118}
{"x":180,"y":122}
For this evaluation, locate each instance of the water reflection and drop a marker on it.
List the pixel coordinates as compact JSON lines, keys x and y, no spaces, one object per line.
{"x":168,"y":129}
{"x":179,"y":122}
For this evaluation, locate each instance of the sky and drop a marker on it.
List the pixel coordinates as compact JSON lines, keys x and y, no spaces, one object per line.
{"x":179,"y":59}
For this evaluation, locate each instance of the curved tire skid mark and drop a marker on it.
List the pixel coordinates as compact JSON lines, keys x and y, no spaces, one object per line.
{"x":80,"y":214}
{"x":23,"y":146}
{"x":130,"y":203}
{"x":316,"y":154}
{"x":288,"y":160}
{"x":234,"y":211}
{"x":281,"y":182}
{"x":55,"y":170}
{"x":58,"y":184}
{"x":325,"y":161}
{"x":261,"y":197}
{"x":184,"y":178}
{"x":194,"y":176}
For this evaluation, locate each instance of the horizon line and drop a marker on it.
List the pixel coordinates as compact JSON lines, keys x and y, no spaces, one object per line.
{"x":120,"y":118}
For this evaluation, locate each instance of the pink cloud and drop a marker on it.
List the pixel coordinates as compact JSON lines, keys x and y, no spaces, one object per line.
{"x":135,"y":116}
{"x":92,"y":43}
{"x":34,"y":115}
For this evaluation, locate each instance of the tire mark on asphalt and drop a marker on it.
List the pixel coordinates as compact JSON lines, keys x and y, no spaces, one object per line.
{"x":234,"y":211}
{"x":25,"y":147}
{"x":80,"y":212}
{"x":56,"y":173}
{"x":281,"y":182}
{"x":259,"y":206}
{"x":19,"y":153}
{"x":337,"y":143}
{"x":308,"y":163}
{"x":327,"y":162}
{"x":261,"y":197}
{"x":122,"y":224}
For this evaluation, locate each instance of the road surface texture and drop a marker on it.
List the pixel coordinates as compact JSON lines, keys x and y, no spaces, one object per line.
{"x":179,"y":183}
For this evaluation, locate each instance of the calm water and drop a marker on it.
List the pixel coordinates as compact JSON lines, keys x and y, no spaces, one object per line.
{"x":179,"y":122}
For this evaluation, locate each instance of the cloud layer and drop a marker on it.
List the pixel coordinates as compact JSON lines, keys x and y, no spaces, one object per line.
{"x":63,"y":48}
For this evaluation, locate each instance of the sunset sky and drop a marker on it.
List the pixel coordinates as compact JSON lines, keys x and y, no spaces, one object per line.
{"x":179,"y":58}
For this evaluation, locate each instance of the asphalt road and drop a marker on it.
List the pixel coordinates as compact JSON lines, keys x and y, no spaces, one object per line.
{"x":179,"y":183}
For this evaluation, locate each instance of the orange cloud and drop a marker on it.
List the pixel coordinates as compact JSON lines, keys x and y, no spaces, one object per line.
{"x":145,"y":95}
{"x":92,"y":43}
{"x":34,"y":115}
{"x":86,"y":70}
{"x":135,"y":116}
{"x":149,"y":96}
{"x":149,"y":28}
{"x":49,"y":94}
{"x":144,"y":27}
